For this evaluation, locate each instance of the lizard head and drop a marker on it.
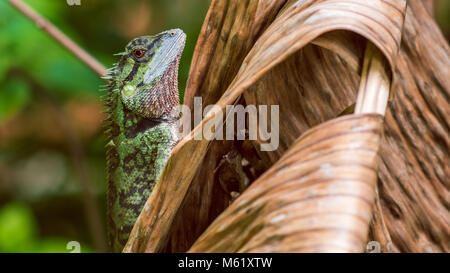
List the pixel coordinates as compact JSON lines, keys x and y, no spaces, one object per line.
{"x":147,"y":75}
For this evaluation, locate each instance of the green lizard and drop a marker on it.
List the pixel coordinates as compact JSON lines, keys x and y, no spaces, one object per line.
{"x":142,"y":103}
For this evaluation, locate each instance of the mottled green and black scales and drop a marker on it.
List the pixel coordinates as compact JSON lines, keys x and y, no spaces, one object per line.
{"x":135,"y":161}
{"x":141,"y":126}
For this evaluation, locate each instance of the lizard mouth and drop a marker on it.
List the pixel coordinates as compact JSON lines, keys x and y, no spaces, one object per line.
{"x":171,"y":50}
{"x":179,"y":41}
{"x":156,"y":94}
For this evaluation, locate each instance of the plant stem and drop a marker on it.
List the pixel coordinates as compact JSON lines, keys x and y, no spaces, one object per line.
{"x":60,"y":37}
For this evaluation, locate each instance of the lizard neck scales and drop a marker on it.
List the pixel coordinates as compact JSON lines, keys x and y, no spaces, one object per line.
{"x":141,"y":126}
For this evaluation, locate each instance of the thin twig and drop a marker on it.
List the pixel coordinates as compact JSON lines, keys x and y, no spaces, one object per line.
{"x":76,"y":149}
{"x":60,"y":37}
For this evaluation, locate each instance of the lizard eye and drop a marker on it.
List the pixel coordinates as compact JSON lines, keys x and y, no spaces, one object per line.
{"x":172,"y":33}
{"x":139,"y":53}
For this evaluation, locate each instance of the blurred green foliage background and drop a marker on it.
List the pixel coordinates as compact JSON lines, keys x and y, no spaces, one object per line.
{"x":51,"y":141}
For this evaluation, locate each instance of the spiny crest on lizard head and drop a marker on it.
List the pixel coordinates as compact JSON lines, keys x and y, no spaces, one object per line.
{"x":147,"y":75}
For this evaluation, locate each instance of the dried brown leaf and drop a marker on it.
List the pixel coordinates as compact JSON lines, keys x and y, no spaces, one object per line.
{"x":305,"y":56}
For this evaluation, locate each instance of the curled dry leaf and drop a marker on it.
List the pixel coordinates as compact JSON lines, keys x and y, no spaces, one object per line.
{"x":306,"y":56}
{"x":318,"y":197}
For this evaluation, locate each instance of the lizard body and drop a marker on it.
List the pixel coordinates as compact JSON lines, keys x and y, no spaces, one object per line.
{"x":142,"y":102}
